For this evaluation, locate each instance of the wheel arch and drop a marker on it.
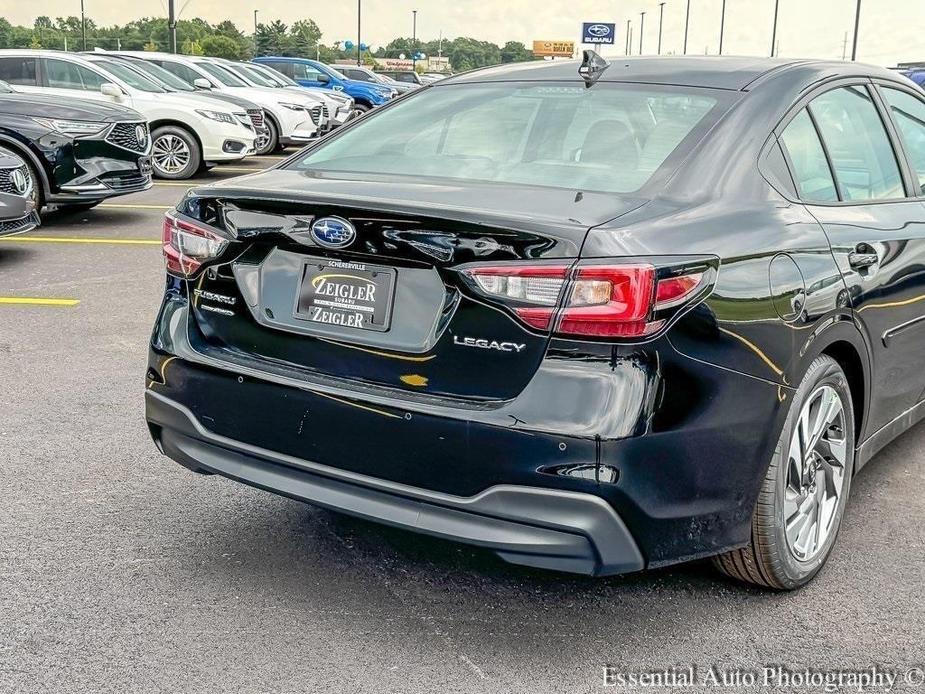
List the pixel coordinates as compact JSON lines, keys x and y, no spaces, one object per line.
{"x":32,"y":158}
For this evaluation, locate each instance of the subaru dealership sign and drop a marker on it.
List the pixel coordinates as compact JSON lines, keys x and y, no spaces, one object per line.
{"x":598,"y":32}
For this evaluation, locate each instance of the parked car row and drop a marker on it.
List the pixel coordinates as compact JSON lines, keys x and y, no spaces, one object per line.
{"x":119,"y":118}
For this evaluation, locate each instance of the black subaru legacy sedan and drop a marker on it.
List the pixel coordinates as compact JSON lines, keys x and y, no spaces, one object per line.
{"x":594,"y":317}
{"x":78,"y":152}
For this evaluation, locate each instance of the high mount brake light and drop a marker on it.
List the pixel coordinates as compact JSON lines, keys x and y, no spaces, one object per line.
{"x":590,"y":300}
{"x":187,"y":245}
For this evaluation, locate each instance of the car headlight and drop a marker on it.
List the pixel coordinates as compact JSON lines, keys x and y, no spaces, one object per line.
{"x":75,"y":128}
{"x":293,"y":107}
{"x":220,"y":116}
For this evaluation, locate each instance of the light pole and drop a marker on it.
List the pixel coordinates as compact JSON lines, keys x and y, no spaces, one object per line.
{"x":687,"y":21}
{"x":83,"y":25}
{"x":722,"y":25}
{"x":255,"y":33}
{"x":626,"y":50}
{"x":774,"y":28}
{"x":661,"y":15}
{"x":359,"y":28}
{"x":857,"y":23}
{"x":642,"y":28}
{"x":414,"y":40}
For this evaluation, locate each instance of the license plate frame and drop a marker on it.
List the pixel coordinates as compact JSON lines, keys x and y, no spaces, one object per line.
{"x":345,"y":301}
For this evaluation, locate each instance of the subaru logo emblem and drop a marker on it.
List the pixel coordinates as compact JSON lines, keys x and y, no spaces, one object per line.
{"x":333,"y":232}
{"x":598,"y":30}
{"x":19,"y":182}
{"x":141,"y":134}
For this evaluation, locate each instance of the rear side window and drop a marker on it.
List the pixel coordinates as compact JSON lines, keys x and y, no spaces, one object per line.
{"x":909,"y":113}
{"x":302,"y":71}
{"x":18,"y":71}
{"x":858,"y":145}
{"x":811,"y":171}
{"x":285,"y":68}
{"x":61,"y":74}
{"x":612,"y":138}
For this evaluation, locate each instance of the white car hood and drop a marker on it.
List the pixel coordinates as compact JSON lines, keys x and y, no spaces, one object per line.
{"x":269,"y":97}
{"x":202,"y":102}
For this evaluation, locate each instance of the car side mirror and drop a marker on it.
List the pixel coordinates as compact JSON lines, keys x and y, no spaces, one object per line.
{"x":202,"y":83}
{"x":323,"y":79}
{"x":110,"y":89}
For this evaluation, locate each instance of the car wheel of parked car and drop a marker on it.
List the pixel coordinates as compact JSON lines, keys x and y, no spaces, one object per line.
{"x":269,"y":143}
{"x":175,"y":154}
{"x":805,"y":490}
{"x":35,"y":186}
{"x":359,"y":110}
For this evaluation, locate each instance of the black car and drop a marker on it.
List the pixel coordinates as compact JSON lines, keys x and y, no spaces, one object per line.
{"x":596,"y":318}
{"x":79,"y":152}
{"x":17,"y":210}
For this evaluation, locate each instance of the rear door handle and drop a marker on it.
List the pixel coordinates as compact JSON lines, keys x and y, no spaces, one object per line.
{"x":862,"y":258}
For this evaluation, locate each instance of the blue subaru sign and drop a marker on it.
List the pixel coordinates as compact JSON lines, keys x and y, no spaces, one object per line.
{"x":598,"y":32}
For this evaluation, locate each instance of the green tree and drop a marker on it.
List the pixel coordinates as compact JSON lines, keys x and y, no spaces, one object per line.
{"x":191,"y":47}
{"x":515,"y":52}
{"x":220,"y":47}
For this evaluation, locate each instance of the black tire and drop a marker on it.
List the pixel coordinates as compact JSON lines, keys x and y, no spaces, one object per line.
{"x":769,"y":561}
{"x":37,"y":194}
{"x":192,"y":162}
{"x":359,"y":109}
{"x":272,"y":143}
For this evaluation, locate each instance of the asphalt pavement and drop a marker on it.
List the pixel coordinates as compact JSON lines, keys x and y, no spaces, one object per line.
{"x":120,"y":571}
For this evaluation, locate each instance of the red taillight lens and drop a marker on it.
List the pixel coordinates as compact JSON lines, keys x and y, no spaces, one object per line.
{"x":609,"y":301}
{"x":590,"y":300}
{"x":188,"y":245}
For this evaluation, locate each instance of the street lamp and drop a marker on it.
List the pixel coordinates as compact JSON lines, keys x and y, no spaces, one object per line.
{"x":774,"y":28}
{"x":687,"y":20}
{"x":359,"y":29}
{"x":722,"y":25}
{"x":661,"y":15}
{"x":642,"y":28}
{"x":857,"y":23}
{"x":255,"y":32}
{"x":414,"y":39}
{"x":626,"y":50}
{"x":83,"y":25}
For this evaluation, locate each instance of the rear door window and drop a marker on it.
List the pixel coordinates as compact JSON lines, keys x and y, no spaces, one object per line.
{"x":63,"y":74}
{"x":811,"y":171}
{"x":21,"y":71}
{"x":858,"y":145}
{"x":909,"y":113}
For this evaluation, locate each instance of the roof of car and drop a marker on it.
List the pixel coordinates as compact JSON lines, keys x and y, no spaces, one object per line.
{"x":717,"y":72}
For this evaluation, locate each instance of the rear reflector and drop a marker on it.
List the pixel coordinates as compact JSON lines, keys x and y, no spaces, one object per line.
{"x":589,"y":300}
{"x":188,"y":245}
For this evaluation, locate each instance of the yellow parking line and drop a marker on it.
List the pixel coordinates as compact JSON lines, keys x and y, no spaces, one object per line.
{"x":79,"y":239}
{"x":37,"y":301}
{"x":122,"y":206}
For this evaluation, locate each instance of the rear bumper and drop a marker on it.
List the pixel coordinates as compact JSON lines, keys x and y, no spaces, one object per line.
{"x":544,"y":528}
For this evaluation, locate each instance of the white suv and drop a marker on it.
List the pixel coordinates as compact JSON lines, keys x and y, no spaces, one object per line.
{"x":188,"y":132}
{"x":290,"y":116}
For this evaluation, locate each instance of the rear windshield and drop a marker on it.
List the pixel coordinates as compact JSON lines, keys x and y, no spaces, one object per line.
{"x":609,"y":138}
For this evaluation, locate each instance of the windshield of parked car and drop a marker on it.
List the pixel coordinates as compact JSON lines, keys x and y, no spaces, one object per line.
{"x":331,"y":71}
{"x":156,"y":72}
{"x":610,"y":138}
{"x":225,"y":77}
{"x":131,"y":77}
{"x":252,"y":75}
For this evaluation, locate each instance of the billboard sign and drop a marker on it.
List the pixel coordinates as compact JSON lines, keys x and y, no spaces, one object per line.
{"x":554,"y":49}
{"x":598,"y":33}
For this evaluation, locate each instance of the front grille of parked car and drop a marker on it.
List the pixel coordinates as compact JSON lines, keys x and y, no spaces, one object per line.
{"x":13,"y":226}
{"x":6,"y":180}
{"x":319,"y":114}
{"x":256,"y":116}
{"x":124,"y":181}
{"x":125,"y":135}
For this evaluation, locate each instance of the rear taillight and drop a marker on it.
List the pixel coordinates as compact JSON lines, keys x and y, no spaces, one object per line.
{"x":632,"y":300}
{"x":187,"y":245}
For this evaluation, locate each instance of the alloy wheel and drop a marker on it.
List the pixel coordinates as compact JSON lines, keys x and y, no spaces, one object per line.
{"x":815,"y":473}
{"x":170,"y":154}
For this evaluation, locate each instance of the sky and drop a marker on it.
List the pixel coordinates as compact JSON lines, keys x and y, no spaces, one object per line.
{"x":890,"y":30}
